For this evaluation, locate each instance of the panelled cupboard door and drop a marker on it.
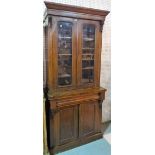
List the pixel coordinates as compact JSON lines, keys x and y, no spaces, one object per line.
{"x":68,"y":124}
{"x":88,"y":53}
{"x":89,"y":120}
{"x":64,"y":52}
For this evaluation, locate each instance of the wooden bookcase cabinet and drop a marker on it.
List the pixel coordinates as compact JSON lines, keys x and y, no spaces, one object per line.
{"x":72,"y":60}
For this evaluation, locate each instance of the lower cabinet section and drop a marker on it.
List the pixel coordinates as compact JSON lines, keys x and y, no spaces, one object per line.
{"x":74,"y":120}
{"x":75,"y":124}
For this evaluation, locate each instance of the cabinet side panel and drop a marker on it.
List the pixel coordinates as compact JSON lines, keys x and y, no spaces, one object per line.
{"x":45,"y":57}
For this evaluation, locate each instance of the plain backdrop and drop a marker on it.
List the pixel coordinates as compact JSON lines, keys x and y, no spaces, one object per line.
{"x":133,"y":77}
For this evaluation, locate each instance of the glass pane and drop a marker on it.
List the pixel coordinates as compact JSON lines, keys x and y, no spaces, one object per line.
{"x":88,"y":53}
{"x":64,"y":53}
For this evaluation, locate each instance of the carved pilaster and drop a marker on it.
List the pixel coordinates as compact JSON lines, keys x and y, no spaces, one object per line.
{"x":101,"y":98}
{"x":50,"y":22}
{"x":101,"y":25}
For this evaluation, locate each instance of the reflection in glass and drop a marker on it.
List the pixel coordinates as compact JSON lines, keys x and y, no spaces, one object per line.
{"x":64,"y":53}
{"x":88,"y":53}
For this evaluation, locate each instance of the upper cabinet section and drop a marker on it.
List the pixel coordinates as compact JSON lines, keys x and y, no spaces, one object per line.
{"x":74,"y":41}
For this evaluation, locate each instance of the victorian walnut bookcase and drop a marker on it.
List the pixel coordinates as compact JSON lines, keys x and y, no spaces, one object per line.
{"x":72,"y":60}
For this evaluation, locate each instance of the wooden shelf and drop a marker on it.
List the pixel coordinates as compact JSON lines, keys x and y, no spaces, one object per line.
{"x":87,"y":54}
{"x":88,"y":48}
{"x":64,"y":76}
{"x":60,"y":48}
{"x":64,"y":54}
{"x":87,"y":80}
{"x":88,"y":39}
{"x":87,"y":59}
{"x":88,"y":68}
{"x":64,"y":37}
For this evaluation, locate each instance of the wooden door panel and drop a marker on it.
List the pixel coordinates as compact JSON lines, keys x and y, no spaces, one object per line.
{"x":68,"y":124}
{"x":86,"y":119}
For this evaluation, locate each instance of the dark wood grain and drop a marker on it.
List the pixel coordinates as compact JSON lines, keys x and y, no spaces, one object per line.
{"x":74,"y":111}
{"x":65,"y":7}
{"x":68,"y":124}
{"x":86,"y":119}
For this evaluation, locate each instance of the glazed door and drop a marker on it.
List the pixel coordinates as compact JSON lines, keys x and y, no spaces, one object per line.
{"x":64,"y":52}
{"x":88,"y":53}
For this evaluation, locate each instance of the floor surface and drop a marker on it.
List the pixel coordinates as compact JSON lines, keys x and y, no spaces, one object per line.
{"x":98,"y":147}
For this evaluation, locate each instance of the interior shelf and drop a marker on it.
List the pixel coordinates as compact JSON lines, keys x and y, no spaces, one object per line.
{"x":64,"y":76}
{"x":88,"y":39}
{"x":87,"y":48}
{"x":87,"y":59}
{"x":87,"y":80}
{"x":64,"y":37}
{"x":87,"y":54}
{"x":64,"y":54}
{"x":88,"y":68}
